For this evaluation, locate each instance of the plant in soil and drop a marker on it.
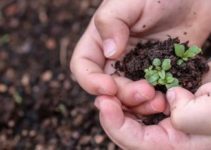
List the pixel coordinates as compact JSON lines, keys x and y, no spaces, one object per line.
{"x":185,"y":55}
{"x":164,"y":64}
{"x":158,"y":74}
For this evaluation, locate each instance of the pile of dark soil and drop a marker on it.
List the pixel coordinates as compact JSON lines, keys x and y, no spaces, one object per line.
{"x":140,"y":58}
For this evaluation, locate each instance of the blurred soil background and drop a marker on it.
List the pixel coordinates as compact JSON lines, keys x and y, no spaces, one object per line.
{"x":41,"y":107}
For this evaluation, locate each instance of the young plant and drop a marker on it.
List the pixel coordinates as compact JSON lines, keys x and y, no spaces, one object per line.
{"x":185,"y":55}
{"x":157,"y":73}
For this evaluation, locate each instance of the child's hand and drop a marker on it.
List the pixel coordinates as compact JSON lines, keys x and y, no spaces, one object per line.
{"x":191,"y":113}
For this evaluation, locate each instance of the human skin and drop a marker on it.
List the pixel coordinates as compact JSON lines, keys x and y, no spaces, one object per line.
{"x":111,"y":33}
{"x":188,"y":127}
{"x":190,"y":112}
{"x":114,"y":30}
{"x":130,"y":134}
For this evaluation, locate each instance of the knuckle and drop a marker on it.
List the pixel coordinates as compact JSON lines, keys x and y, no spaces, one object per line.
{"x":92,"y":89}
{"x":89,"y":87}
{"x":101,"y":18}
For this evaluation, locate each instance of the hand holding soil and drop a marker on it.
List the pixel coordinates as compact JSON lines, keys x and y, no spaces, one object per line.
{"x":188,"y":110}
{"x":112,"y":32}
{"x":88,"y":61}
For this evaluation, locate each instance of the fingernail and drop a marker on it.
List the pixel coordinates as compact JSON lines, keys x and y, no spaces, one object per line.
{"x":109,"y":47}
{"x":170,"y":96}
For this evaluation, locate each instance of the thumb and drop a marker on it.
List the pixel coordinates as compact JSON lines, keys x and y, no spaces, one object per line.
{"x":113,"y":20}
{"x":189,"y":113}
{"x":178,"y":97}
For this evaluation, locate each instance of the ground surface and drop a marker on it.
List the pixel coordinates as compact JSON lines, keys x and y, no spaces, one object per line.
{"x":41,"y":107}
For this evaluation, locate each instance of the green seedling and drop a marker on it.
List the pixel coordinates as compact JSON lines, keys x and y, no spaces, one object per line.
{"x":185,"y":55}
{"x":169,"y":81}
{"x":157,"y":73}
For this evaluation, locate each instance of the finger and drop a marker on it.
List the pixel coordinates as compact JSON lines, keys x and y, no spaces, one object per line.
{"x":113,"y":21}
{"x":129,"y":134}
{"x":87,"y":65}
{"x":197,"y":115}
{"x":133,"y":93}
{"x":156,"y":105}
{"x":125,"y":131}
{"x":194,"y":117}
{"x":177,"y":97}
{"x":189,"y":114}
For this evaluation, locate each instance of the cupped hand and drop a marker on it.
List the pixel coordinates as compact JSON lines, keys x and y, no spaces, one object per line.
{"x":188,"y":126}
{"x":130,"y":134}
{"x":119,"y":25}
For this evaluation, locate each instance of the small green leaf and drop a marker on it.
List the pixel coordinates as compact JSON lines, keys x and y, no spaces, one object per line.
{"x":166,"y":65}
{"x":179,"y":50}
{"x":150,"y":73}
{"x":189,"y":54}
{"x":185,"y":58}
{"x":169,"y":80}
{"x":192,"y":52}
{"x":161,"y":82}
{"x":152,"y":78}
{"x":162,"y":74}
{"x":156,"y":62}
{"x":148,"y":69}
{"x":169,"y":75}
{"x":173,"y":84}
{"x":195,"y":49}
{"x":180,"y":62}
{"x":154,"y":83}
